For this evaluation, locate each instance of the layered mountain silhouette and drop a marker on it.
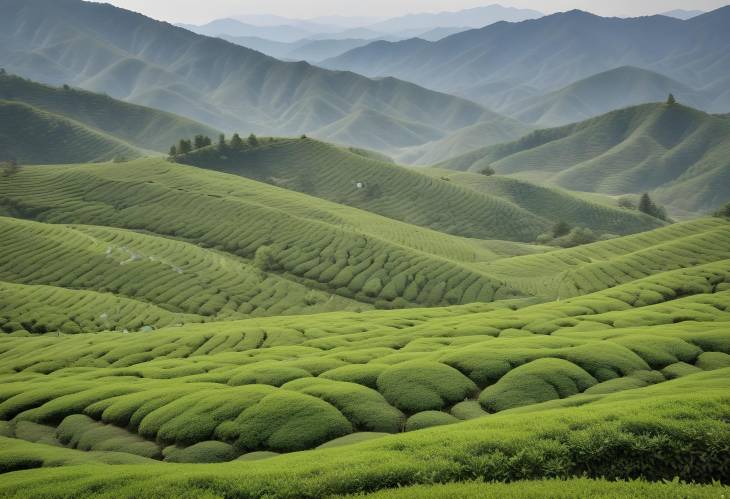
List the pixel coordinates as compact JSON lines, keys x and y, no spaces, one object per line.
{"x":506,"y":62}
{"x":130,"y":57}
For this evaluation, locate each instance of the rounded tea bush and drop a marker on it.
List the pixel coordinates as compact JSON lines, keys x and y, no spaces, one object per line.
{"x":416,"y":386}
{"x":538,"y":381}
{"x":362,"y":374}
{"x":365,"y":408}
{"x":285,"y":421}
{"x":203,"y":452}
{"x":428,"y":419}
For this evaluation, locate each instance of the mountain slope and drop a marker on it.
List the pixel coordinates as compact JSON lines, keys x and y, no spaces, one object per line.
{"x":470,"y":18}
{"x":105,"y":49}
{"x":679,"y":153}
{"x":144,"y":127}
{"x":546,"y":54}
{"x":336,"y":174}
{"x":599,"y":94}
{"x":29,"y":135}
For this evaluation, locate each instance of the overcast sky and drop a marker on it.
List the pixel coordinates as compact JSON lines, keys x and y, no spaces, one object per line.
{"x":197,"y":11}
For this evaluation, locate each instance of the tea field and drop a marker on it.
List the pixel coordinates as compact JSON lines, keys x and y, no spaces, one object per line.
{"x":175,"y":331}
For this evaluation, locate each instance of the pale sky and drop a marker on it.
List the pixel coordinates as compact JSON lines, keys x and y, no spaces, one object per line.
{"x":198,"y":12}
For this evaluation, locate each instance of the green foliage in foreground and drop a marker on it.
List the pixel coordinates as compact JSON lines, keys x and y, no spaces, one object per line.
{"x":674,"y":429}
{"x":557,"y":489}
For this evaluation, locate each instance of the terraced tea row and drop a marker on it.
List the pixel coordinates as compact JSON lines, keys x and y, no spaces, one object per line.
{"x":173,"y":281}
{"x":286,"y":233}
{"x":286,"y":384}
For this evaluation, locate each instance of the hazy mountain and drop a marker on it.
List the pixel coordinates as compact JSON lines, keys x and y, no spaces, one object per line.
{"x":140,"y":126}
{"x":128,"y":56}
{"x":308,"y":50}
{"x":682,"y":14}
{"x":476,"y":17}
{"x":545,"y":54}
{"x":680,"y":154}
{"x":436,"y":34}
{"x":598,"y":94}
{"x":232,"y":27}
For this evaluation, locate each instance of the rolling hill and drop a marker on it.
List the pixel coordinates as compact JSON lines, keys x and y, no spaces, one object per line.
{"x":556,"y":205}
{"x":505,"y":62}
{"x":599,"y":94}
{"x":130,"y":57}
{"x":675,"y":152}
{"x":344,"y":177}
{"x":318,"y":244}
{"x":143,"y":127}
{"x":30,"y":135}
{"x":610,"y":380}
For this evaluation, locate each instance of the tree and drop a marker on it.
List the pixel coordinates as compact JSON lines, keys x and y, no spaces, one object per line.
{"x":646,"y":205}
{"x":9,"y":167}
{"x":222,"y":141}
{"x":671,"y":100}
{"x":173,"y":151}
{"x":253,"y":141}
{"x":3,"y":72}
{"x":202,"y":141}
{"x":724,"y":211}
{"x":236,"y":142}
{"x":487,"y":171}
{"x":561,"y":229}
{"x":184,"y":146}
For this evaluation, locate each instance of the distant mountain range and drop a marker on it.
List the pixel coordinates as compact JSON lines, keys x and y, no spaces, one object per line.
{"x":683,"y":14}
{"x":427,"y":25}
{"x":679,"y":154}
{"x":130,"y":57}
{"x":504,"y":63}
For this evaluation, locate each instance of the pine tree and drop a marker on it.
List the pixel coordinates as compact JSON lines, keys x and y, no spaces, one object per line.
{"x":202,"y":141}
{"x":253,"y":141}
{"x":222,"y":141}
{"x":236,"y":142}
{"x":671,"y":100}
{"x":173,"y":151}
{"x":184,"y":146}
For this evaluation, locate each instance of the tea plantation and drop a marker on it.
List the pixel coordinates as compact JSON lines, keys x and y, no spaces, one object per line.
{"x":175,"y":331}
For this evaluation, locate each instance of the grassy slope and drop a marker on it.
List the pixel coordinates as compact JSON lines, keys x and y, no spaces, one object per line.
{"x":329,"y":172}
{"x":30,"y":135}
{"x":614,"y":388}
{"x":676,"y":152}
{"x":124,"y":272}
{"x":552,"y":203}
{"x":142,"y":126}
{"x":337,"y":249}
{"x":105,"y":49}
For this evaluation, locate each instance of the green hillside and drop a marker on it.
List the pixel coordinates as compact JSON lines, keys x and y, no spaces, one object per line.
{"x":29,"y":135}
{"x":143,"y":127}
{"x":437,"y":202}
{"x":603,"y":385}
{"x":133,"y":58}
{"x":554,"y":204}
{"x":677,"y":153}
{"x":339,"y":175}
{"x":325,"y":246}
{"x":604,"y":92}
